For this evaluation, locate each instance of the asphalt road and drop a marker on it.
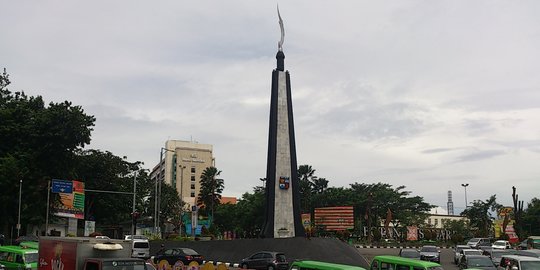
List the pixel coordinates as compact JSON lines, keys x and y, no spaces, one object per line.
{"x":447,"y":255}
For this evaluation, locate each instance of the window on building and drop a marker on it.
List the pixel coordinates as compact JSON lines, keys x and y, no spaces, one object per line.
{"x":192,"y":169}
{"x":436,"y":221}
{"x":192,"y":186}
{"x":429,"y":221}
{"x":193,"y":194}
{"x":193,"y":178}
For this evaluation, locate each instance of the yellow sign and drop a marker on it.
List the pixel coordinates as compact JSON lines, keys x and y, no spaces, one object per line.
{"x":505,"y":211}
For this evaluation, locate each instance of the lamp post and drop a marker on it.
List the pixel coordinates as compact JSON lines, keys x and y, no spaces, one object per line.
{"x":465,"y":186}
{"x":157,"y":206}
{"x":133,"y":228}
{"x":19,"y":216}
{"x":182,"y":167}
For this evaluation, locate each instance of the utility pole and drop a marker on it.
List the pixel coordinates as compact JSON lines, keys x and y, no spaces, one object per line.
{"x":465,"y":186}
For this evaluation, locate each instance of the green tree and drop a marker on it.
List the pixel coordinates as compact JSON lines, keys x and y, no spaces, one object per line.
{"x":39,"y":143}
{"x":171,"y":207}
{"x":480,"y":217}
{"x":211,"y":189}
{"x":459,"y":228}
{"x":306,"y":175}
{"x":531,"y":217}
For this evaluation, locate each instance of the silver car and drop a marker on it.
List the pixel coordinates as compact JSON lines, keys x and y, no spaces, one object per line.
{"x":430,"y":253}
{"x":457,"y":252}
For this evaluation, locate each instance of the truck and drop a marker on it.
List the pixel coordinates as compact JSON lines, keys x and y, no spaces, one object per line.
{"x":86,"y":253}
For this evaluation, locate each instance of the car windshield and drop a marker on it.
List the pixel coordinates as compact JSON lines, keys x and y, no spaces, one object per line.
{"x":479,"y":262}
{"x":31,"y":257}
{"x":189,"y":251}
{"x":281,"y":258}
{"x":428,"y":249}
{"x":474,"y":240}
{"x":141,"y":245}
{"x":499,"y":244}
{"x":530,"y":265}
{"x":410,"y":254}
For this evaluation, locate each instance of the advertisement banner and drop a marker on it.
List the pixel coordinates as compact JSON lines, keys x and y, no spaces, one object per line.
{"x":70,"y":204}
{"x":412,"y":233}
{"x":306,"y":221}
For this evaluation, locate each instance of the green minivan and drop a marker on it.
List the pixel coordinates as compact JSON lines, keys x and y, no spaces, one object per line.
{"x":318,"y":265}
{"x":17,"y":257}
{"x":387,"y":262}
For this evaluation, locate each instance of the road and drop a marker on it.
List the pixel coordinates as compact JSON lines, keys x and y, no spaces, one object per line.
{"x":447,"y":255}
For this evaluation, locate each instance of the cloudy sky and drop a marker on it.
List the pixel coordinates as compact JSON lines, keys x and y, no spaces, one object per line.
{"x":426,"y":94}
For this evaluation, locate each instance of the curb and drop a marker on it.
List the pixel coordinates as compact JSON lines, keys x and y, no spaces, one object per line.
{"x":415,"y":247}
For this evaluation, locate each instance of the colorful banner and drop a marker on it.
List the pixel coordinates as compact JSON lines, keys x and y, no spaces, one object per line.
{"x":412,"y":233}
{"x":306,"y":221}
{"x":338,"y":218}
{"x":71,"y":204}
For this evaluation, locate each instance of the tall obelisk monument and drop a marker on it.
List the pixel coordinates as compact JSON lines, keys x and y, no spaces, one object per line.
{"x":282,"y":185}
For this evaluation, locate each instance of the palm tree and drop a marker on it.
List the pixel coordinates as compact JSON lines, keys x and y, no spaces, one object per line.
{"x":211,"y":189}
{"x":306,"y":175}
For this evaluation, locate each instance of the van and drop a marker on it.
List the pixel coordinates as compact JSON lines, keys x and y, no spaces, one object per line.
{"x":533,"y":242}
{"x":387,"y":262}
{"x":317,"y":265}
{"x":17,"y":257}
{"x":140,"y":249}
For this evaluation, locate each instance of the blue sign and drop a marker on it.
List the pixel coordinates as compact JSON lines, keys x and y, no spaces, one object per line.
{"x":62,"y":186}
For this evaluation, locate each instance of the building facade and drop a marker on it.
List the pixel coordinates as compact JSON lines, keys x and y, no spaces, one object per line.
{"x":181,"y":166}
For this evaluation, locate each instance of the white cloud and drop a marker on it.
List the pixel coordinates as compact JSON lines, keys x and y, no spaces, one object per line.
{"x":426,"y":94}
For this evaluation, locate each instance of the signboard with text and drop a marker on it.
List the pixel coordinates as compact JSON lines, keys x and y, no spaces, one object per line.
{"x":68,"y":198}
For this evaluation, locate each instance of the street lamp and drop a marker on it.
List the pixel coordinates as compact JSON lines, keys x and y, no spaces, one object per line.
{"x":19,"y":216}
{"x":133,"y":228}
{"x":182,"y":167}
{"x":157,"y":200}
{"x":465,"y":186}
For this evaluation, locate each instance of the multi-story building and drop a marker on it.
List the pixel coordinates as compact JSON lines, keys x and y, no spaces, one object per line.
{"x":181,"y":166}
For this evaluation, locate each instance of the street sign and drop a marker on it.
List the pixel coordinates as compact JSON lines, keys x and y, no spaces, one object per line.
{"x":62,"y":186}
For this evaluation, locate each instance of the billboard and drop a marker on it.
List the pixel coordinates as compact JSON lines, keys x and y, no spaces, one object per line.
{"x":68,"y":198}
{"x":338,"y":218}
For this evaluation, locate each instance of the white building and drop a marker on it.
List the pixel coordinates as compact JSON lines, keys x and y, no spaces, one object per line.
{"x":181,"y":166}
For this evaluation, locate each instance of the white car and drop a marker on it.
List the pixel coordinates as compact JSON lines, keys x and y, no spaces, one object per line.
{"x":501,"y":244}
{"x":135,"y":237}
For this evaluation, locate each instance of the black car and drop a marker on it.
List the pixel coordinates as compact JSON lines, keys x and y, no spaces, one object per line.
{"x":496,"y":254}
{"x":265,"y":260}
{"x":174,"y":255}
{"x":476,"y":262}
{"x":430,"y":253}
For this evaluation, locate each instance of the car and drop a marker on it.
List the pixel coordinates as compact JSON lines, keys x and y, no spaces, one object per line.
{"x":430,"y":253}
{"x":476,"y":262}
{"x":479,"y":242}
{"x":175,"y":256}
{"x":501,"y":244}
{"x":409,"y":253}
{"x":522,"y":245}
{"x":150,"y":266}
{"x":519,"y":262}
{"x":386,"y":262}
{"x":103,"y":237}
{"x":17,"y":257}
{"x":26,"y":238}
{"x":496,"y":254}
{"x":140,"y":249}
{"x":132,"y":237}
{"x":468,"y":251}
{"x":529,"y":253}
{"x":265,"y":260}
{"x":457,"y":252}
